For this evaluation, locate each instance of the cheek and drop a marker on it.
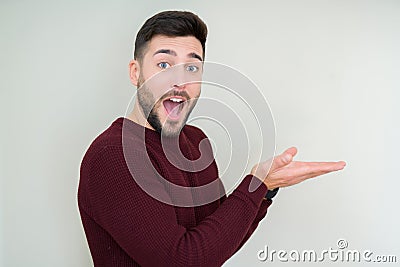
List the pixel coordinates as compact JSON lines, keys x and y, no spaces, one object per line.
{"x":194,"y":90}
{"x":156,"y":82}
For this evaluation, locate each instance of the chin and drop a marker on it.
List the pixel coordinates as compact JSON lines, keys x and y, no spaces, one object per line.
{"x":172,"y":128}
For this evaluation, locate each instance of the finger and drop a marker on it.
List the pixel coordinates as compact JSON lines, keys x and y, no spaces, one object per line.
{"x":297,"y":171}
{"x":311,"y":175}
{"x":325,"y":166}
{"x":293,"y":179}
{"x":314,"y":169}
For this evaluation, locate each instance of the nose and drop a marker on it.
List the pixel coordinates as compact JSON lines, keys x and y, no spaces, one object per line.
{"x":179,"y":86}
{"x":180,"y":78}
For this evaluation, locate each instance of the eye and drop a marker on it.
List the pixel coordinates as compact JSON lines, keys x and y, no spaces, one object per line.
{"x":192,"y":68}
{"x":163,"y":65}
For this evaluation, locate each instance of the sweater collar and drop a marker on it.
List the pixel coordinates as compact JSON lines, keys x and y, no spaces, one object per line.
{"x":144,"y":132}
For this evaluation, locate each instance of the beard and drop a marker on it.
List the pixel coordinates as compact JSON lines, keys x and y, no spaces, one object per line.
{"x":150,"y":108}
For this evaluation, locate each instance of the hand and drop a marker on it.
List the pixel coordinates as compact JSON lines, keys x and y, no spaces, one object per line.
{"x":282,"y":171}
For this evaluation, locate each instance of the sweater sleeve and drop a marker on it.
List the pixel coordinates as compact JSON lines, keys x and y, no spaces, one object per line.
{"x":147,"y":229}
{"x":262,"y":212}
{"x":260,"y":215}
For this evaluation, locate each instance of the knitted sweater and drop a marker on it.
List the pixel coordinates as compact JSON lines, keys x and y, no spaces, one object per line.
{"x":125,"y":226}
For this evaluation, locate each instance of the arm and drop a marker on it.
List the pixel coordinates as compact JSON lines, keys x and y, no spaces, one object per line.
{"x":147,"y":229}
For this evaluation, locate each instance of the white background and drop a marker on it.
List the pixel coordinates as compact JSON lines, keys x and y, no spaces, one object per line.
{"x":329,"y":69}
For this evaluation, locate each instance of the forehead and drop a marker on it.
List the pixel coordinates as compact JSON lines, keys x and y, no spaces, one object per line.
{"x":181,"y":44}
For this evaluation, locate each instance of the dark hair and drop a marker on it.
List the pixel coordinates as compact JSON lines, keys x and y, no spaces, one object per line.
{"x":172,"y":24}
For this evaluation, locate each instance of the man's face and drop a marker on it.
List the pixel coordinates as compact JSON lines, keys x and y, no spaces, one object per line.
{"x":167,"y":95}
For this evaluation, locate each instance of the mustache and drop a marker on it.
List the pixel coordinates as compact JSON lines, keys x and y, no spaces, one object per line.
{"x":176,"y":93}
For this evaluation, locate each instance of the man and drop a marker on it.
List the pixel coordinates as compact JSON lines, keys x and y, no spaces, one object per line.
{"x":125,"y":224}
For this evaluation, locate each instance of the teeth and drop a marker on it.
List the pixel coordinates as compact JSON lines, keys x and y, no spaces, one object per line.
{"x":177,"y":100}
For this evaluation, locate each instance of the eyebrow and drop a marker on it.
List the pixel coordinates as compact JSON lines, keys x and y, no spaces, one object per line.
{"x":173,"y":53}
{"x":194,"y":55}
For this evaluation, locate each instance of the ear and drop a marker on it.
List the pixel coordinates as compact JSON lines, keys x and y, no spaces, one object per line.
{"x":134,"y":71}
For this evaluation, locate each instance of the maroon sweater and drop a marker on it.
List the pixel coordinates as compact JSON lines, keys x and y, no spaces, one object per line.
{"x":125,"y":226}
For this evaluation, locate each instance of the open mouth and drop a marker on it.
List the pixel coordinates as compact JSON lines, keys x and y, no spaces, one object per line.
{"x":173,"y":106}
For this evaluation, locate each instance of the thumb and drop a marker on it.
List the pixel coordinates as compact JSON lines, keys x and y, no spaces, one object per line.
{"x":283,"y":159}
